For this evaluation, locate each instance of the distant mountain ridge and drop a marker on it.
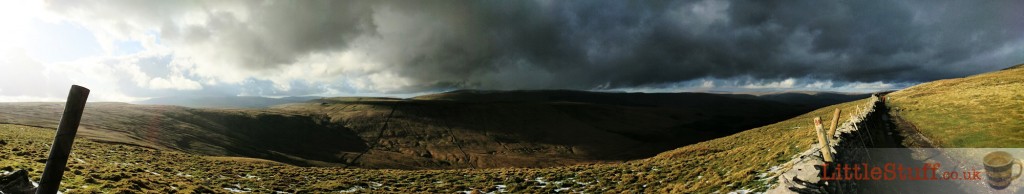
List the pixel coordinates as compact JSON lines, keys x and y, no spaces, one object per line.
{"x":800,"y":98}
{"x":225,"y":101}
{"x":813,"y":99}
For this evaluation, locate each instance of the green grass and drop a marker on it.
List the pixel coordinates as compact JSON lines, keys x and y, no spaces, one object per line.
{"x":739,"y":161}
{"x":985,"y":110}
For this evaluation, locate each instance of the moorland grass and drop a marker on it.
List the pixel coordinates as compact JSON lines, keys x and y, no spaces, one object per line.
{"x":981,"y":111}
{"x":739,"y":161}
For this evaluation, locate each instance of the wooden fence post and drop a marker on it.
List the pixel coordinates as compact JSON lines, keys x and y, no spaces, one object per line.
{"x":832,"y":127}
{"x":826,"y":149}
{"x":54,"y":170}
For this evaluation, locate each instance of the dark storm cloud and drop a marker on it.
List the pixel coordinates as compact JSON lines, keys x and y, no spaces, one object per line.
{"x":611,"y":44}
{"x":277,"y":32}
{"x":582,"y":44}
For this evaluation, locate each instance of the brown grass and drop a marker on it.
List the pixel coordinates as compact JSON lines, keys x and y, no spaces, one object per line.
{"x":985,"y":110}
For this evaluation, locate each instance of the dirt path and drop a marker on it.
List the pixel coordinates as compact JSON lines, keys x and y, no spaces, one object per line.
{"x":874,"y":141}
{"x":884,"y":140}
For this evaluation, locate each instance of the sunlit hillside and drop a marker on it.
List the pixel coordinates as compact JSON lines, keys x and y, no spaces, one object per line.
{"x":985,"y":111}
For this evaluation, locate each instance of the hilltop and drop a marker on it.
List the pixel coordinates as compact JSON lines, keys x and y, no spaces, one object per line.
{"x":983,"y":110}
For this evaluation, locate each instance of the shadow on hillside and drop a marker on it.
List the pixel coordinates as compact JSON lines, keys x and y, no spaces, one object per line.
{"x":293,"y":139}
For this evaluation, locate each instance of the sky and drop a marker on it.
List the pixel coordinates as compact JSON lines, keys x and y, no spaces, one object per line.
{"x":130,"y":50}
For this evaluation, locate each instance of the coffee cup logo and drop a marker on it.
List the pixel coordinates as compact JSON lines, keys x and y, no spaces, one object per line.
{"x":998,"y":169}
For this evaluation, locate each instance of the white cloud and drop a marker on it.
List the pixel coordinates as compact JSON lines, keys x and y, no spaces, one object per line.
{"x":24,"y":76}
{"x":220,"y":43}
{"x":707,"y":84}
{"x":871,"y":86}
{"x":827,"y":84}
{"x":15,"y":18}
{"x":784,"y":84}
{"x":24,"y":98}
{"x":750,"y":84}
{"x":174,"y":82}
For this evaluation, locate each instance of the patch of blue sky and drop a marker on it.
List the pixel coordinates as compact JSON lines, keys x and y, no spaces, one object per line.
{"x":127,"y":47}
{"x":60,"y":41}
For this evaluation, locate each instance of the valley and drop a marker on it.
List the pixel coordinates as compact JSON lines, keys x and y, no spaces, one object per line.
{"x":461,"y":129}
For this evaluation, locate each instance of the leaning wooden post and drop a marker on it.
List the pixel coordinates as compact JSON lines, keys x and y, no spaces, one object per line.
{"x":832,"y":127}
{"x":54,"y":170}
{"x":826,"y":149}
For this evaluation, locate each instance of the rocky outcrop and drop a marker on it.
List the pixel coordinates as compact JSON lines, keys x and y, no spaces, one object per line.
{"x":16,"y":182}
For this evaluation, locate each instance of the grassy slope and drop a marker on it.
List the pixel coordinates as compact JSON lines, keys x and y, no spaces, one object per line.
{"x":985,"y":110}
{"x":219,"y":132}
{"x":738,"y":161}
{"x":725,"y":164}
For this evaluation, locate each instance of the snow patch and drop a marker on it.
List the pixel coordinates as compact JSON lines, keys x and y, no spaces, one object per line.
{"x":234,"y":190}
{"x":501,"y":188}
{"x":351,"y":190}
{"x":561,"y":189}
{"x":375,"y":184}
{"x":742,"y":191}
{"x":540,"y":180}
{"x":238,"y":189}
